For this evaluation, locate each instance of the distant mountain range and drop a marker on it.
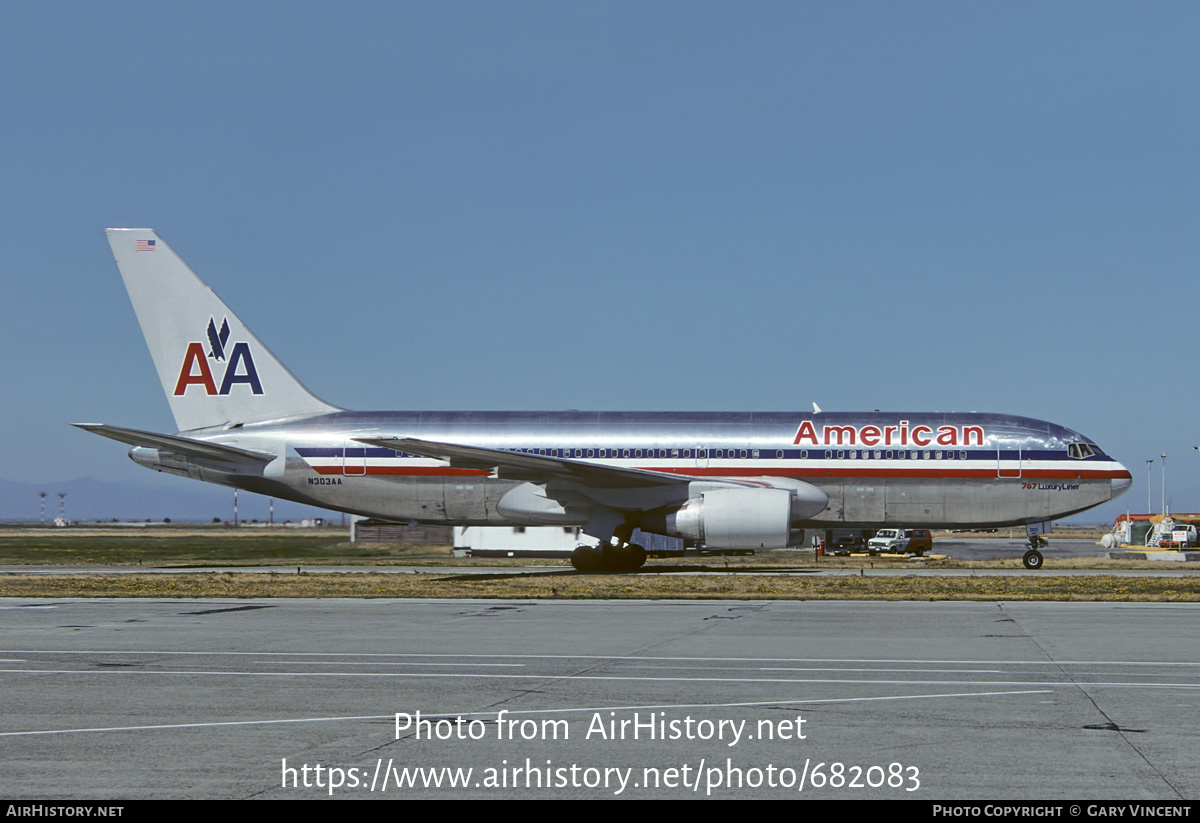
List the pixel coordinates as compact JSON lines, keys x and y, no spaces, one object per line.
{"x":89,"y":499}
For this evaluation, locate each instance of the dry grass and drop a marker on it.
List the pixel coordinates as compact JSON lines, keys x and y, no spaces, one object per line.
{"x":568,"y":586}
{"x":773,"y":576}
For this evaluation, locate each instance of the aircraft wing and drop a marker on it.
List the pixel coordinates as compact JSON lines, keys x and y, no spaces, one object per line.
{"x":177,"y":444}
{"x":535,"y":468}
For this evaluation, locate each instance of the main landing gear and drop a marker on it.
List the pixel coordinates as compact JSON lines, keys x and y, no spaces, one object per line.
{"x":626,"y":557}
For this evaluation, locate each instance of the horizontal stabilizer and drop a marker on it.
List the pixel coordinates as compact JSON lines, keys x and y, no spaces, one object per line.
{"x":179,"y":445}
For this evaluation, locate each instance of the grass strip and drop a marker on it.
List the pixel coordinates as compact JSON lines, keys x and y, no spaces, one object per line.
{"x":570,"y":586}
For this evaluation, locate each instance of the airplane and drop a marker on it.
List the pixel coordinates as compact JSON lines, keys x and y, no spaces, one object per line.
{"x":732,"y":480}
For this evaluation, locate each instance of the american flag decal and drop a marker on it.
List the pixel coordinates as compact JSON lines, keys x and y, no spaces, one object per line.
{"x":145,"y":245}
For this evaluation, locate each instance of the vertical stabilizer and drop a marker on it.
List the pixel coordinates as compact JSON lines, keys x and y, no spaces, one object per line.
{"x":213,"y":369}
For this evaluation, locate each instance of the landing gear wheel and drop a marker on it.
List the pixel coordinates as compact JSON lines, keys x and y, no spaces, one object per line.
{"x":587,"y":559}
{"x":635,"y":557}
{"x":592,"y":559}
{"x":1033,"y":559}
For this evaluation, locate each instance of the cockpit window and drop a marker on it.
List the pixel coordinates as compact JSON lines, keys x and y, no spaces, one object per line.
{"x":1079,"y":450}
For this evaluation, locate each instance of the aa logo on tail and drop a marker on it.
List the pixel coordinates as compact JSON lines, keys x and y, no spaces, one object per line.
{"x":239,"y":364}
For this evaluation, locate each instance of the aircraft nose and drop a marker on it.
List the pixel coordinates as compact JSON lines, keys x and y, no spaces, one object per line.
{"x":1121,"y":482}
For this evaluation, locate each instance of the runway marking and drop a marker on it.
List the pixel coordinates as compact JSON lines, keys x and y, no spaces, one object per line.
{"x":569,"y":677}
{"x":391,"y":717}
{"x":395,"y":663}
{"x":164,"y":726}
{"x":751,"y":704}
{"x":1043,"y":662}
{"x":821,"y":669}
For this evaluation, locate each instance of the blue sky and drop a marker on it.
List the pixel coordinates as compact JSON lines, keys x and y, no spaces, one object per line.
{"x":517,"y":205}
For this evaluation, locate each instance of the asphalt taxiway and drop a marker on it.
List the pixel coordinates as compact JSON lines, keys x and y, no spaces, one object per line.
{"x":114,"y":699}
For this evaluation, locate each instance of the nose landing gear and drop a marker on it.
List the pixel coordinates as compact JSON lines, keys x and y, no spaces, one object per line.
{"x":1033,"y":558}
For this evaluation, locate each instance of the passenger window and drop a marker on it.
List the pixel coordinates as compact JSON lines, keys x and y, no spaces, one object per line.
{"x":742,"y":453}
{"x":637,"y":452}
{"x":687,"y":452}
{"x":754,"y":454}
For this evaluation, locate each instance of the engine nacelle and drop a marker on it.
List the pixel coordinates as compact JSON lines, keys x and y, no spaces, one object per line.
{"x":164,"y":461}
{"x":735,"y":519}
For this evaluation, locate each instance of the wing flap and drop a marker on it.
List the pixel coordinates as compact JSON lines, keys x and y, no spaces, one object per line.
{"x":535,"y":468}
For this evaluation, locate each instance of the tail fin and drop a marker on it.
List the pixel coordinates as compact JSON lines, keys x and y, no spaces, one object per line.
{"x":214,"y":370}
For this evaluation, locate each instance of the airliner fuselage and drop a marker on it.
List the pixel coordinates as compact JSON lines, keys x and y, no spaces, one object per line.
{"x":915,"y":469}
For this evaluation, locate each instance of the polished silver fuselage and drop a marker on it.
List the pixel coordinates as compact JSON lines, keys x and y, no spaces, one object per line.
{"x":877,"y":469}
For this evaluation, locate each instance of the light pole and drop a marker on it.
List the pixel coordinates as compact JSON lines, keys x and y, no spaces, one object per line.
{"x":1149,"y":506}
{"x":1164,"y":488}
{"x":1197,"y":448}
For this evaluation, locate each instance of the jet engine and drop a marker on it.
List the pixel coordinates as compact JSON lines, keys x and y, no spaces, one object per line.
{"x":735,"y":518}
